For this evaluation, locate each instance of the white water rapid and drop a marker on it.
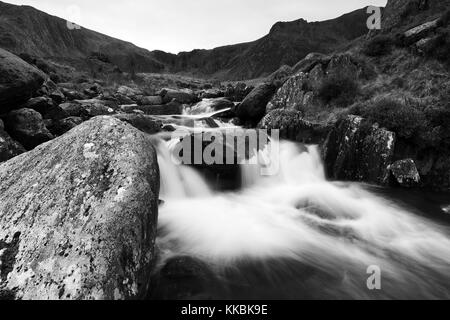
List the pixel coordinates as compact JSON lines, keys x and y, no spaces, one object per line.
{"x":297,"y":235}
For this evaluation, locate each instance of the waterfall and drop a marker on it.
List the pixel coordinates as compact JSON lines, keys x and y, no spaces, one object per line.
{"x":300,"y":232}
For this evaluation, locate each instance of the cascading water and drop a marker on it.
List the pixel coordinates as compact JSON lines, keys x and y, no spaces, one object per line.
{"x":295,"y":235}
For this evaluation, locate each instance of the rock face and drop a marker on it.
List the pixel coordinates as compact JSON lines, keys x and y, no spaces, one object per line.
{"x":253,"y":108}
{"x":357,"y":152}
{"x":405,"y":173}
{"x":291,"y":95}
{"x":18,"y":81}
{"x":8,"y":147}
{"x":293,"y":127}
{"x":27,"y":127}
{"x":78,"y":215}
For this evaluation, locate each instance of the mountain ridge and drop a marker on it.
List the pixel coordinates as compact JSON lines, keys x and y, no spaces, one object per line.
{"x":285,"y":44}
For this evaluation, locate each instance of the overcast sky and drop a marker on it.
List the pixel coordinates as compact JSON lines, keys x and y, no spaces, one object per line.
{"x":183,"y":25}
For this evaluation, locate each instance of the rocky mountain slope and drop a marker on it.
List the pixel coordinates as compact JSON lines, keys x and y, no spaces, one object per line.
{"x":24,"y":29}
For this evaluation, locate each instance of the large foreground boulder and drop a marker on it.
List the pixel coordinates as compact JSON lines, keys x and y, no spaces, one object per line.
{"x":78,"y":215}
{"x":27,"y":127}
{"x":359,"y":152}
{"x":18,"y":81}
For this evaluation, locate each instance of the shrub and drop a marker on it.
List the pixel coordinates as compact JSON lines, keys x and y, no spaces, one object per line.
{"x":378,"y":46}
{"x":340,"y":90}
{"x":393,"y":114}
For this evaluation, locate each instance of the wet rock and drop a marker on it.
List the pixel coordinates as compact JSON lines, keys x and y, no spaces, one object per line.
{"x":81,"y":212}
{"x":27,"y":127}
{"x":151,"y":100}
{"x":142,"y":122}
{"x":9,"y":148}
{"x":18,"y":81}
{"x":405,"y":173}
{"x":129,"y":92}
{"x":185,"y":96}
{"x":183,"y":278}
{"x":253,"y":108}
{"x":358,"y":152}
{"x":211,"y":105}
{"x":292,"y":126}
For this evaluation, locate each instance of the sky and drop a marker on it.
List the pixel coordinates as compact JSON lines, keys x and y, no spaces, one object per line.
{"x":184,"y":25}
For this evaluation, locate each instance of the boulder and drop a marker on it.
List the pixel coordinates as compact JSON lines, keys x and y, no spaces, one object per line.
{"x":46,"y":107}
{"x":96,"y":107}
{"x":172,"y":108}
{"x":253,"y":108}
{"x":39,"y":104}
{"x":358,"y":152}
{"x":79,"y":215}
{"x":129,"y":92}
{"x":211,"y":105}
{"x":291,"y":126}
{"x":415,"y":34}
{"x":18,"y":81}
{"x":142,"y":122}
{"x":59,"y":127}
{"x":309,"y":62}
{"x":74,"y":109}
{"x":8,"y":147}
{"x":237,"y":92}
{"x":57,"y":96}
{"x":151,"y":100}
{"x":212,"y":93}
{"x":27,"y":127}
{"x":290,"y":95}
{"x":185,"y":96}
{"x":405,"y":173}
{"x":72,"y":94}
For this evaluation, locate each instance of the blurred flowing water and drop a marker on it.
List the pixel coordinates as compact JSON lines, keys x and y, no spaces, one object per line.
{"x":295,"y":235}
